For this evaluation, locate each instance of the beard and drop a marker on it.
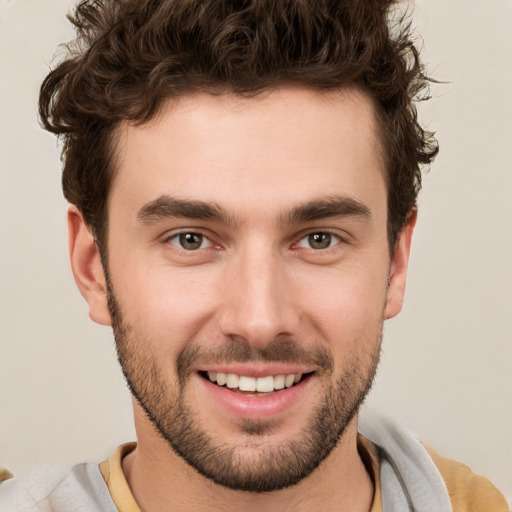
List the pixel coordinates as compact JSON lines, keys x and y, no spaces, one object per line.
{"x":255,"y":465}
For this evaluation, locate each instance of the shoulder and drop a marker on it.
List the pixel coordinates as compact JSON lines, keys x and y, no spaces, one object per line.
{"x":30,"y":491}
{"x":4,"y":474}
{"x":468,"y":491}
{"x":413,"y":473}
{"x":55,"y":489}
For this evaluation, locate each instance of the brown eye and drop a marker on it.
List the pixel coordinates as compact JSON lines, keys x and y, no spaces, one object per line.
{"x":190,"y":241}
{"x":320,"y":240}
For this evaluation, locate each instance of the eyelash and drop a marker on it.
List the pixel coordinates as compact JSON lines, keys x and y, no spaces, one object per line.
{"x":178,"y":238}
{"x":178,"y":241}
{"x":331,"y":236}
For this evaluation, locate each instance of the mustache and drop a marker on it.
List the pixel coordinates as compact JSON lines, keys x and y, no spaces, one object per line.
{"x":239,"y":350}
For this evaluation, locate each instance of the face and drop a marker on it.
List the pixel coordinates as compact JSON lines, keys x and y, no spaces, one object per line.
{"x":249,"y":277}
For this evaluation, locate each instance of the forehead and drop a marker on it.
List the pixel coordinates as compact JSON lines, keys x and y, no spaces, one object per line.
{"x":276,"y":149}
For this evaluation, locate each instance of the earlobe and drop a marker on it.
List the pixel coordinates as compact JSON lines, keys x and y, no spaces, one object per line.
{"x":398,"y":268}
{"x":86,"y":266}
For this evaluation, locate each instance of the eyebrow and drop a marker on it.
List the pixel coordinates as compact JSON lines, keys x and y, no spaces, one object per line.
{"x":171,"y":207}
{"x":336,"y":206}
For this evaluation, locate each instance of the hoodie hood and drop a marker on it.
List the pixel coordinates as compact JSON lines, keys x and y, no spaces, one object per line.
{"x":410,"y":481}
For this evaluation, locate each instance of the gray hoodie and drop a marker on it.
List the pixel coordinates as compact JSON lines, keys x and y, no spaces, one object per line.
{"x":409,"y":479}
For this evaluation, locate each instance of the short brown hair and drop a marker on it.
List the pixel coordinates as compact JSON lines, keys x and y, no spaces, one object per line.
{"x":132,"y":55}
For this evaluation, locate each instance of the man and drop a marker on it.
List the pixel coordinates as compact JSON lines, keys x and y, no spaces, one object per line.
{"x":243,"y":181}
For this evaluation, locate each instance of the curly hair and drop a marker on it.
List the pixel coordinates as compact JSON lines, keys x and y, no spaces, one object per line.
{"x":130,"y":56}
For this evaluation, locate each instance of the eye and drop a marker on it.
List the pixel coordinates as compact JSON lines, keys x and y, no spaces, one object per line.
{"x":320,"y":240}
{"x":190,"y":241}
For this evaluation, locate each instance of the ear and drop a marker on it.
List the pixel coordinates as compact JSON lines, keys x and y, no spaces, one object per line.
{"x":86,"y":266}
{"x":398,"y":269}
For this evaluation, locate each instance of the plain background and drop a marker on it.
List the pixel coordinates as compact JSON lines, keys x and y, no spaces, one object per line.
{"x":446,"y":370}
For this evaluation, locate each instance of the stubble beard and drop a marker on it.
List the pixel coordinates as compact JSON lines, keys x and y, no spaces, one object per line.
{"x":269,"y":467}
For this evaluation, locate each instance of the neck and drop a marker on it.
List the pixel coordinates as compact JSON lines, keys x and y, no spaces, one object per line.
{"x":159,"y":480}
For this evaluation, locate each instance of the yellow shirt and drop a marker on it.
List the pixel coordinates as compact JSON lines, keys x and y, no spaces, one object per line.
{"x":112,"y":472}
{"x":468,"y":492}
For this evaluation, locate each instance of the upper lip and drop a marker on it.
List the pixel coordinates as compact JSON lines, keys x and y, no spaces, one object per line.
{"x":256,"y":370}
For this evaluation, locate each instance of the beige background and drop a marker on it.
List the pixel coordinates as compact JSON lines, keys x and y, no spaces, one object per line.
{"x":446,"y":370}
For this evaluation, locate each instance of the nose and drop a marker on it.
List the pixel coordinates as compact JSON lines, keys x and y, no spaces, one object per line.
{"x":258,"y":300}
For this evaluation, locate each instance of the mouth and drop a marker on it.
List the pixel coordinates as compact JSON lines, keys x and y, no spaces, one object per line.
{"x":255,"y":386}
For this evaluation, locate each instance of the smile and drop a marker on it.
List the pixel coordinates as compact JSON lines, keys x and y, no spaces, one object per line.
{"x":266,"y":384}
{"x":256,"y":393}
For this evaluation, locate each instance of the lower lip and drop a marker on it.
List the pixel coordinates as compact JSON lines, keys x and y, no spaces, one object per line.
{"x":257,"y":407}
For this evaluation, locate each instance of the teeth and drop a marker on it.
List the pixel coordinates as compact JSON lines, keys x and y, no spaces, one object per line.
{"x":289,"y":380}
{"x":265,"y":384}
{"x":232,"y":380}
{"x":246,"y":383}
{"x":279,"y":381}
{"x":221,"y":379}
{"x":261,"y":384}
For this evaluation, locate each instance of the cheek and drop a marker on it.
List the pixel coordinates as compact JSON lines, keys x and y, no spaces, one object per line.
{"x":344,"y":304}
{"x":168,"y":306}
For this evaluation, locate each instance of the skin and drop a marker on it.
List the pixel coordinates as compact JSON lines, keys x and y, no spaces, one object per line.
{"x":255,"y":278}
